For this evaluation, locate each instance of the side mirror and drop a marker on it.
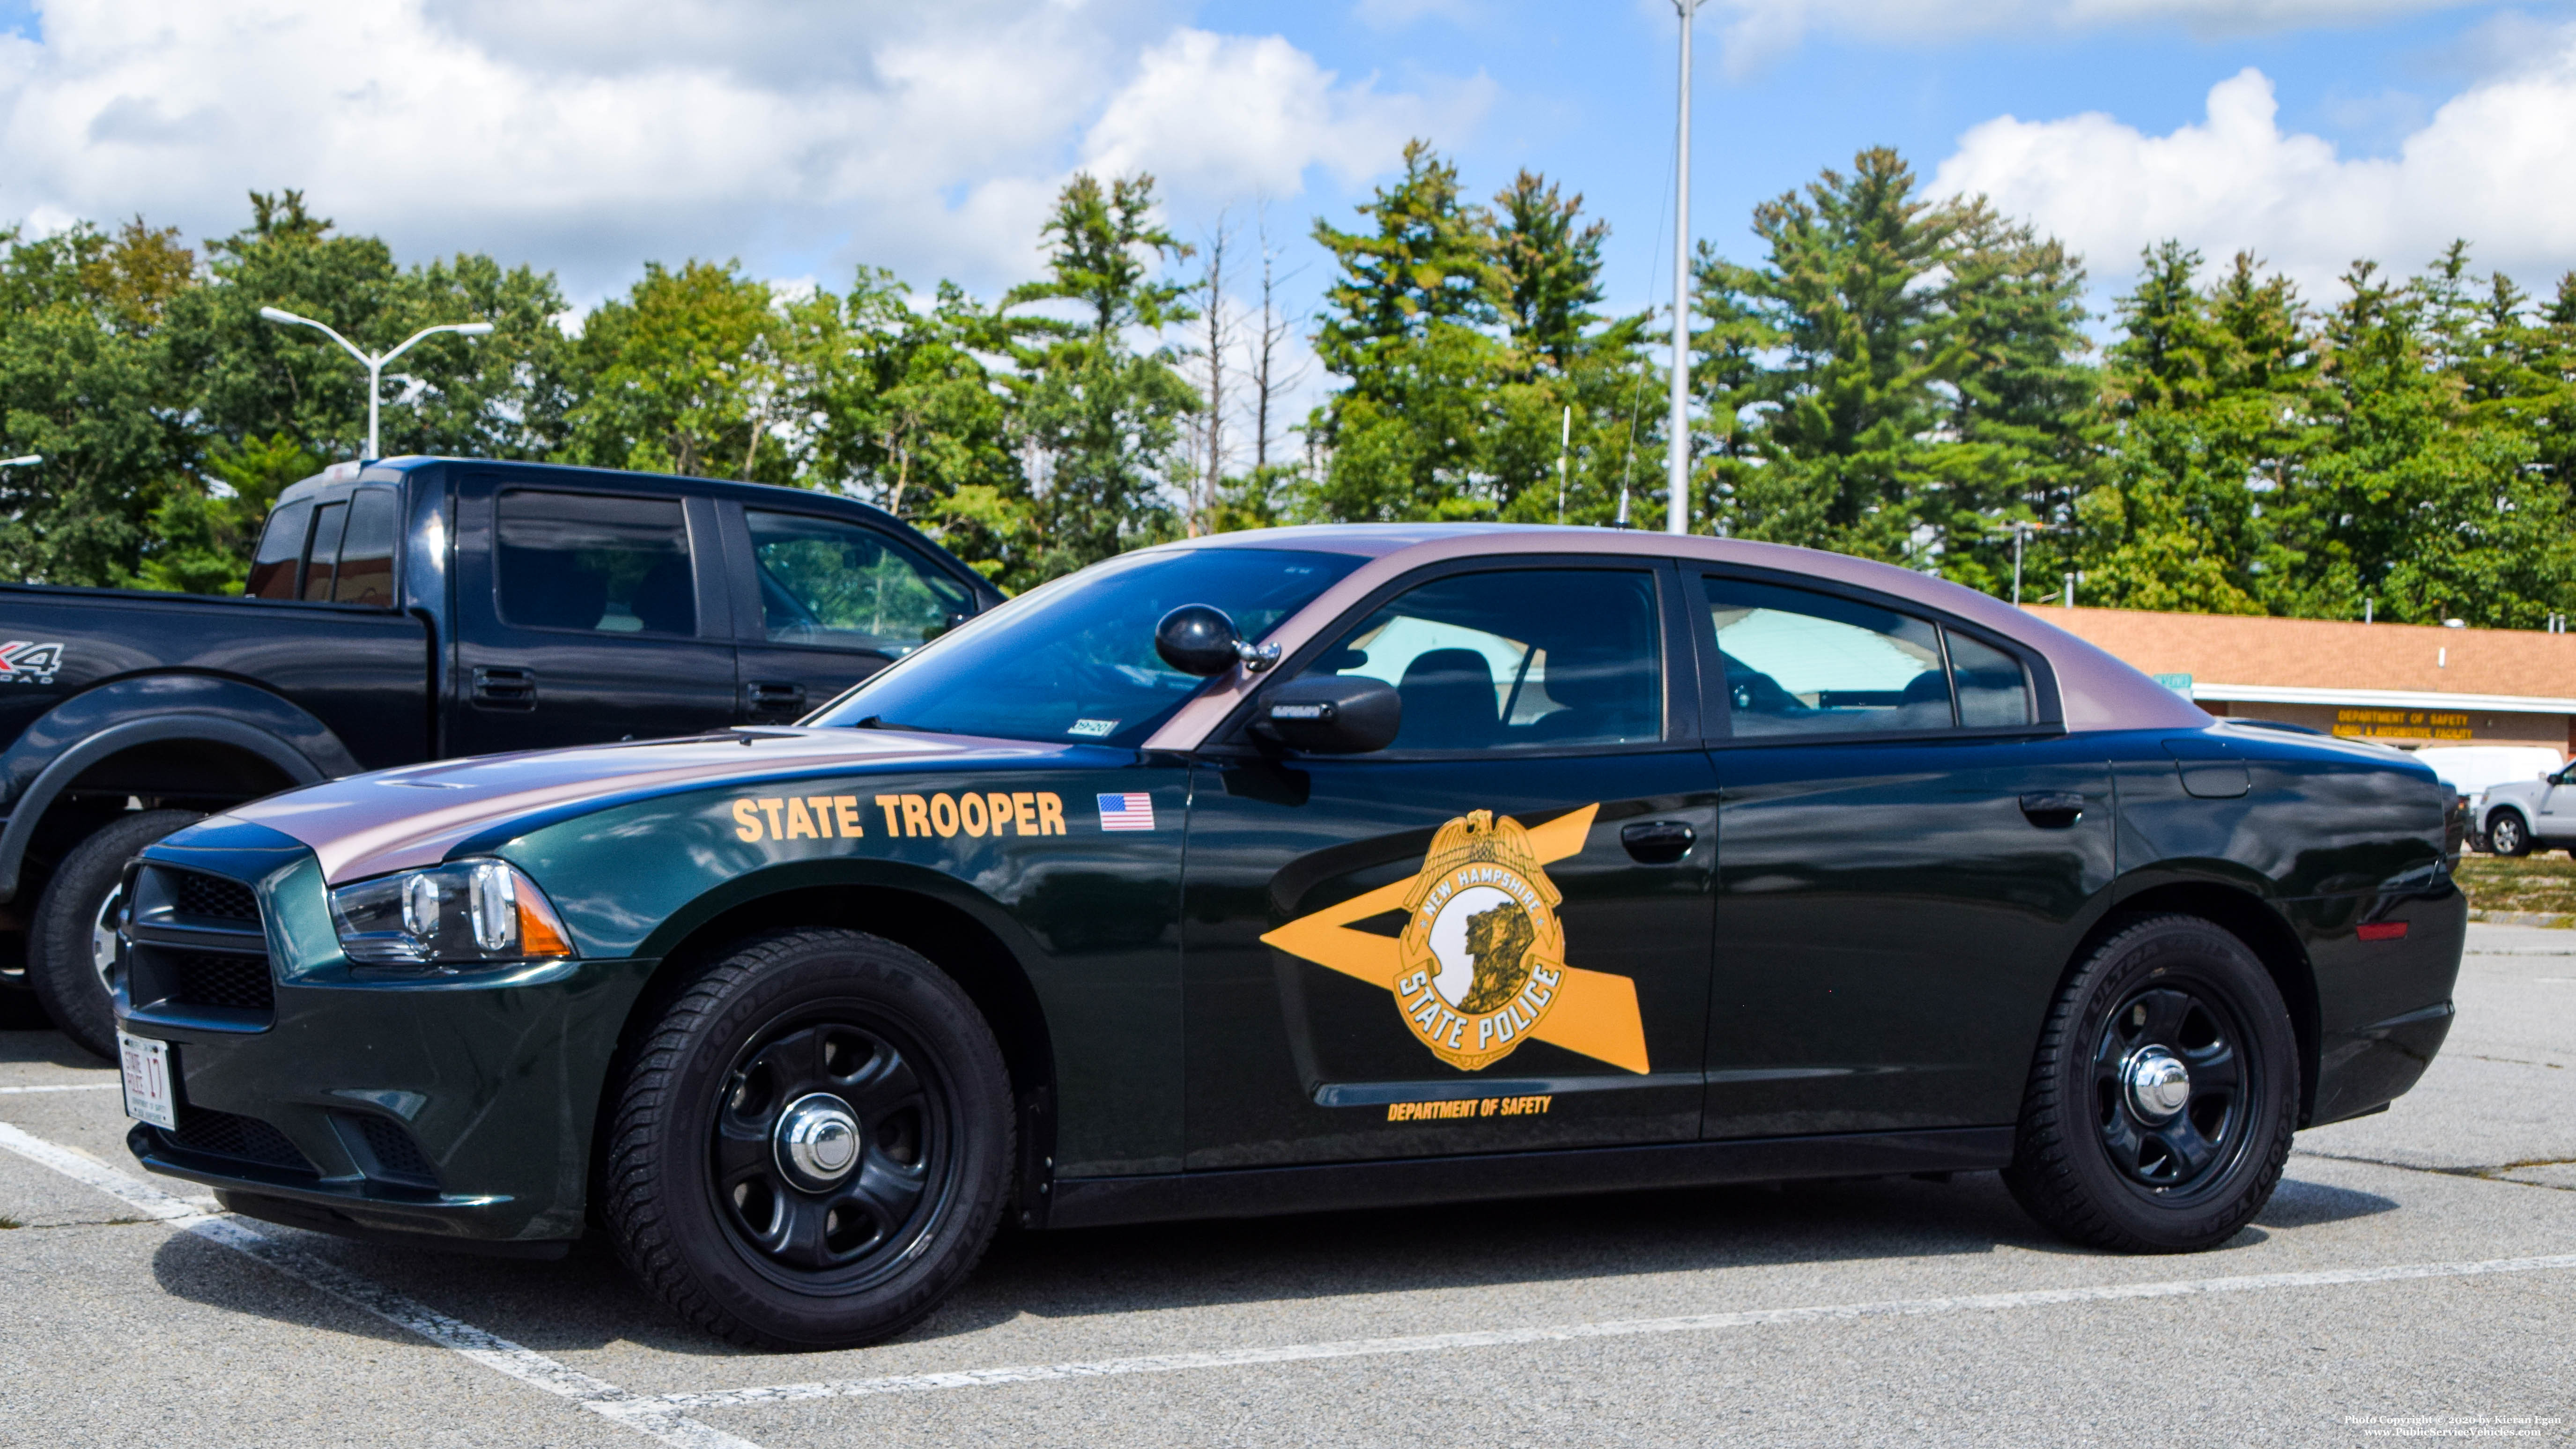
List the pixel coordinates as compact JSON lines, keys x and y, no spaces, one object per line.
{"x":1331,"y":714}
{"x":1199,"y":639}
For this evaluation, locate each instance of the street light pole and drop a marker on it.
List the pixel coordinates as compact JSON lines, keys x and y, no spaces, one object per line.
{"x":374,"y":365}
{"x":1677,"y":447}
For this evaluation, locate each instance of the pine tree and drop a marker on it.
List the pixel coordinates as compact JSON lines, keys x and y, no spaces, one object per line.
{"x":1102,"y":417}
{"x":1410,"y":323}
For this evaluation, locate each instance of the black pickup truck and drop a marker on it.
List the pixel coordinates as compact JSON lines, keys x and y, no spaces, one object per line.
{"x":415,"y":609}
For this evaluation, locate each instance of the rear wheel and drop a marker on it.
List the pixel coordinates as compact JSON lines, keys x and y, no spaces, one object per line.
{"x":2507,"y":835}
{"x":71,"y":953}
{"x":2161,"y":1103}
{"x":814,"y":1144}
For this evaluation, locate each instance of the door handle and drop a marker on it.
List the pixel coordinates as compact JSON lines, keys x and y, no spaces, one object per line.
{"x":1658,"y":842}
{"x":771,"y":699}
{"x":504,"y":688}
{"x":2053,"y":809}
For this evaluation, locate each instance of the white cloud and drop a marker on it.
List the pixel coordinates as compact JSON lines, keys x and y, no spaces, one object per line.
{"x":588,"y":135}
{"x":1757,"y":31}
{"x":2493,"y":165}
{"x":1210,"y":113}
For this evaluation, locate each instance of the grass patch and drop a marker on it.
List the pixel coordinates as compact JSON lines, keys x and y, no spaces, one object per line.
{"x":2542,"y":884}
{"x":7,"y":1223}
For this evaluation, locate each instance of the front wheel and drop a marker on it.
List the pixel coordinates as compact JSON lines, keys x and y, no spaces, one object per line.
{"x":813,"y":1146}
{"x":2506,"y":835}
{"x":71,"y":953}
{"x":2161,"y":1102}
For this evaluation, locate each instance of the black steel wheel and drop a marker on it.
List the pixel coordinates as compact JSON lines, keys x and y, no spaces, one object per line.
{"x":813,"y":1146}
{"x":830,"y":1152}
{"x":2507,"y":835}
{"x":2170,"y":1089}
{"x":2163,"y":1094}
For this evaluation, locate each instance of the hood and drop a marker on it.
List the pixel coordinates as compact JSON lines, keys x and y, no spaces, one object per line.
{"x":397,"y":819}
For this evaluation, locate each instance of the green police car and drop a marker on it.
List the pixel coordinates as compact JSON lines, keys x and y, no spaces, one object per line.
{"x":1305,"y":869}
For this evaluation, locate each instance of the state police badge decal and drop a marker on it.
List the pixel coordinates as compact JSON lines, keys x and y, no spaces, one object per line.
{"x":1483,"y":950}
{"x":1479,"y":967}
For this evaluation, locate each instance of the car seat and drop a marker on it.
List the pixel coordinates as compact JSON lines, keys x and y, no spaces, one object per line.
{"x":1448,"y":697}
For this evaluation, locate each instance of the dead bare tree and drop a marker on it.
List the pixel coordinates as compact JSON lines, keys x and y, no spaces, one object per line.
{"x":1208,"y":477}
{"x":1269,"y":383}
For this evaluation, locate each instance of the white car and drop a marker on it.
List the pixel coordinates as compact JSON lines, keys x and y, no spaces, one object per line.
{"x":2519,"y":796}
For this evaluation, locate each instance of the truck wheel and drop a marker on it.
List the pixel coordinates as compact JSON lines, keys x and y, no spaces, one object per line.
{"x":2160,"y":1105}
{"x":71,"y":953}
{"x":2506,"y":834}
{"x":813,"y":1145}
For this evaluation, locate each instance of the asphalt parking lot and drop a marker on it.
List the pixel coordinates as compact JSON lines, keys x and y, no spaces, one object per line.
{"x":2415,"y":1275}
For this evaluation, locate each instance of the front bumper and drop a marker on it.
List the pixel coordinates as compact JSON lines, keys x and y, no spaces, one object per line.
{"x":457,"y":1107}
{"x":497,"y":1084}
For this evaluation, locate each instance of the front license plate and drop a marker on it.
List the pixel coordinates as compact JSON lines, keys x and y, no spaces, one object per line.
{"x":148,"y":1097}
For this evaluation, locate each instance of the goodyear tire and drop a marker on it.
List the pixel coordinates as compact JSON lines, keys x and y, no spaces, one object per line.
{"x":2507,"y":835}
{"x":2163,"y":1095}
{"x":70,"y":953}
{"x":813,"y":1144}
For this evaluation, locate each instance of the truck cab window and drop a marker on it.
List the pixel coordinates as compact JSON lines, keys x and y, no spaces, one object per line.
{"x":366,"y":574}
{"x":595,"y":562}
{"x":274,"y":567}
{"x":846,"y":587}
{"x":328,"y":521}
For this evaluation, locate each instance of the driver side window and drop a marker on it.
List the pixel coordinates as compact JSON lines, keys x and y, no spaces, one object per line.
{"x":1522,"y":657}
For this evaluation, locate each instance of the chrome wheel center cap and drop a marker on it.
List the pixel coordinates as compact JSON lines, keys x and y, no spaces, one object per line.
{"x":2159,"y":1084}
{"x":818,"y":1140}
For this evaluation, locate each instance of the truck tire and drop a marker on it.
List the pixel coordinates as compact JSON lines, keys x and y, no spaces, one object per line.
{"x":2507,"y":835}
{"x":2163,"y":1094}
{"x":812,"y":1147}
{"x":71,"y":950}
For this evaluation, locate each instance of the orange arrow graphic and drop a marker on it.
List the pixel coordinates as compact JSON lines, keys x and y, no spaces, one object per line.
{"x":1595,"y":1013}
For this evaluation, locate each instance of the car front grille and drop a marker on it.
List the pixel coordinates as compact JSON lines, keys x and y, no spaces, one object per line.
{"x":213,"y":897}
{"x":204,"y":978}
{"x":194,"y":942}
{"x":243,"y":1139}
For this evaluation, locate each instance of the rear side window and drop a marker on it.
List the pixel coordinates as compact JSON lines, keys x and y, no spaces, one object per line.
{"x":366,"y":574}
{"x":1812,"y":664}
{"x":281,"y":549}
{"x":1801,"y":664}
{"x":328,"y":521}
{"x":845,"y":587}
{"x":1994,"y":691}
{"x":596,"y":562}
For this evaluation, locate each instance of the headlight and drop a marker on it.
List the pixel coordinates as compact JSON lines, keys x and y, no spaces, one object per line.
{"x":453,"y":915}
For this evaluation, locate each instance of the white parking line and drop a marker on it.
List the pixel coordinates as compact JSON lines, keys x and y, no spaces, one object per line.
{"x":75,"y":1087}
{"x":660,"y":1421}
{"x":1504,"y":1337}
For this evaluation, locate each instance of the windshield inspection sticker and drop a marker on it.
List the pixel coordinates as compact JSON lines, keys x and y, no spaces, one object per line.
{"x":1093,"y":729}
{"x":23,"y":662}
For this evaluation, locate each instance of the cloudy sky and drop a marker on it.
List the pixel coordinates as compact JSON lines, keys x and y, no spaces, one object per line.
{"x":808,"y":136}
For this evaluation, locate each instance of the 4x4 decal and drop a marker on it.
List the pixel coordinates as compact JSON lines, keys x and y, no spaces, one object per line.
{"x":23,"y":662}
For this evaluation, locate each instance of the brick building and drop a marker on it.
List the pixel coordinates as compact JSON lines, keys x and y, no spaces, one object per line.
{"x":2402,"y":684}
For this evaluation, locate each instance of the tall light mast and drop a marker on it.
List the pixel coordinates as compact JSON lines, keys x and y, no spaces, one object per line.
{"x":1677,"y":445}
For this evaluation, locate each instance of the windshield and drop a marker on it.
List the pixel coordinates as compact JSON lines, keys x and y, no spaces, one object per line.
{"x":1075,"y":660}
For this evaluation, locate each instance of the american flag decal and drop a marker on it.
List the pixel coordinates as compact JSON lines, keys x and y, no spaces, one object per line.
{"x":1127,"y":812}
